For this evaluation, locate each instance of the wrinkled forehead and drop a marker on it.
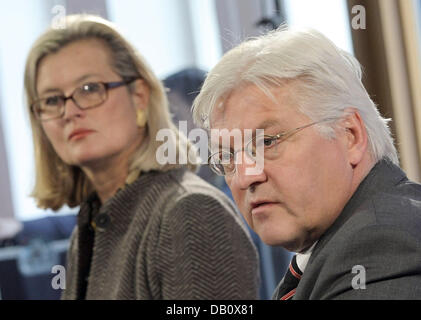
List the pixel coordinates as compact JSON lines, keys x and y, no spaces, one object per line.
{"x":251,"y":112}
{"x":254,"y":107}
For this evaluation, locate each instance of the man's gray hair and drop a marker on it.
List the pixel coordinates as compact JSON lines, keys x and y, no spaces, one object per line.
{"x":325,"y":81}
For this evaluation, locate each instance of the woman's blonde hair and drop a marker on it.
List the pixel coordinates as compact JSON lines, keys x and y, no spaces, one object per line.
{"x":58,"y":184}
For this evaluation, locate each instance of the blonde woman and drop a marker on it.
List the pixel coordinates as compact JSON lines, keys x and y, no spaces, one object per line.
{"x":144,"y":230}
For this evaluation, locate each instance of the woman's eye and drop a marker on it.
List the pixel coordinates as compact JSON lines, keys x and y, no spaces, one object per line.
{"x":90,"y":87}
{"x":52,"y":101}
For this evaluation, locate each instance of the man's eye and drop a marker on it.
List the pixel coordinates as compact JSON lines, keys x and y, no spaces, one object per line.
{"x":228,"y":157}
{"x":268,"y":142}
{"x":225,"y":157}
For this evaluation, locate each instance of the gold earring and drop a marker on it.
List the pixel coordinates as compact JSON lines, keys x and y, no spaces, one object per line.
{"x":140,"y":118}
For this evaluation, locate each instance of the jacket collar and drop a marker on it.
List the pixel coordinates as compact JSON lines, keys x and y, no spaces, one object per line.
{"x":382,"y":177}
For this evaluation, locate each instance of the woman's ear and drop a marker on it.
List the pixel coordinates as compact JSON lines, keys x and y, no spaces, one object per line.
{"x":356,"y":136}
{"x":140,"y":94}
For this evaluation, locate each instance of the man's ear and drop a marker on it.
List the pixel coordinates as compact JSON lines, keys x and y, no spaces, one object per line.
{"x":356,"y":136}
{"x":140,"y":94}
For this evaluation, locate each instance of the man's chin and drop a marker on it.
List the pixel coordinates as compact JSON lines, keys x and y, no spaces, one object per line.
{"x":293,"y":245}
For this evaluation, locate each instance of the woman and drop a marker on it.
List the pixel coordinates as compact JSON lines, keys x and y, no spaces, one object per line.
{"x":144,"y":230}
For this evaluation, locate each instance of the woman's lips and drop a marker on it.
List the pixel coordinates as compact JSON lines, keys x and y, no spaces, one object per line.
{"x":79,"y":134}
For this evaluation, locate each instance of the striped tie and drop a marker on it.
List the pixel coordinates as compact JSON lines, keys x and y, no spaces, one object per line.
{"x":290,"y":282}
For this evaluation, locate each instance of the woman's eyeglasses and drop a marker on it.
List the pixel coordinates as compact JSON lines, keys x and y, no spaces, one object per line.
{"x":87,"y":96}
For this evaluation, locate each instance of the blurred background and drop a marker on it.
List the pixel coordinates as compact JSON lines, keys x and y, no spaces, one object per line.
{"x":182,"y":40}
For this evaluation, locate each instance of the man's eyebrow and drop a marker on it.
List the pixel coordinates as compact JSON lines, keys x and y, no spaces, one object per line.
{"x":76,"y":82}
{"x":268,"y":124}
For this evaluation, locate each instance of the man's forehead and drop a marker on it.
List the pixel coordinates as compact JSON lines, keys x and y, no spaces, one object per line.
{"x":271,"y":125}
{"x":258,"y":118}
{"x":251,"y":108}
{"x":217,"y":116}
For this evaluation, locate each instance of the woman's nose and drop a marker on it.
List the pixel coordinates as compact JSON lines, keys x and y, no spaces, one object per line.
{"x":71,"y":109}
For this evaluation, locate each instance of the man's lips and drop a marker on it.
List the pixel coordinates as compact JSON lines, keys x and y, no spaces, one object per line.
{"x":79,"y":133}
{"x":261,"y":205}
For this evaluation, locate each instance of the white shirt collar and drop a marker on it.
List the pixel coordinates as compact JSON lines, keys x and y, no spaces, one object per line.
{"x":303,"y":257}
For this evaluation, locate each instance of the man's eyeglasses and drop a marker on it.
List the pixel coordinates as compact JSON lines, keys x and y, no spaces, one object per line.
{"x":87,"y":96}
{"x":224,"y":162}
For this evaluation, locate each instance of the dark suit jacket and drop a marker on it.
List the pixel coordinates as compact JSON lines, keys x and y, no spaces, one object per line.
{"x":377,"y":235}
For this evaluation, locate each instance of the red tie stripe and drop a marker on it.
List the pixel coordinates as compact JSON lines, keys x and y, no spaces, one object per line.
{"x":290,"y":282}
{"x":294,"y":273}
{"x":289,"y":295}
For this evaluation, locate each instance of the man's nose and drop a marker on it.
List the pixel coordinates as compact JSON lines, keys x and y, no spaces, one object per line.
{"x":248,"y":171}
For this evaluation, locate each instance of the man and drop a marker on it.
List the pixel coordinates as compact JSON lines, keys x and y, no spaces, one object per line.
{"x":330,"y":187}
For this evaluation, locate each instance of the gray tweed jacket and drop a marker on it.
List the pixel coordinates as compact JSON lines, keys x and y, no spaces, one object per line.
{"x":168,"y":235}
{"x":373,"y":249}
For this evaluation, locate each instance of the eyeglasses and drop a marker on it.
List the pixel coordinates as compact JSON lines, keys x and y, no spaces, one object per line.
{"x":87,"y":96}
{"x":223,"y":162}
